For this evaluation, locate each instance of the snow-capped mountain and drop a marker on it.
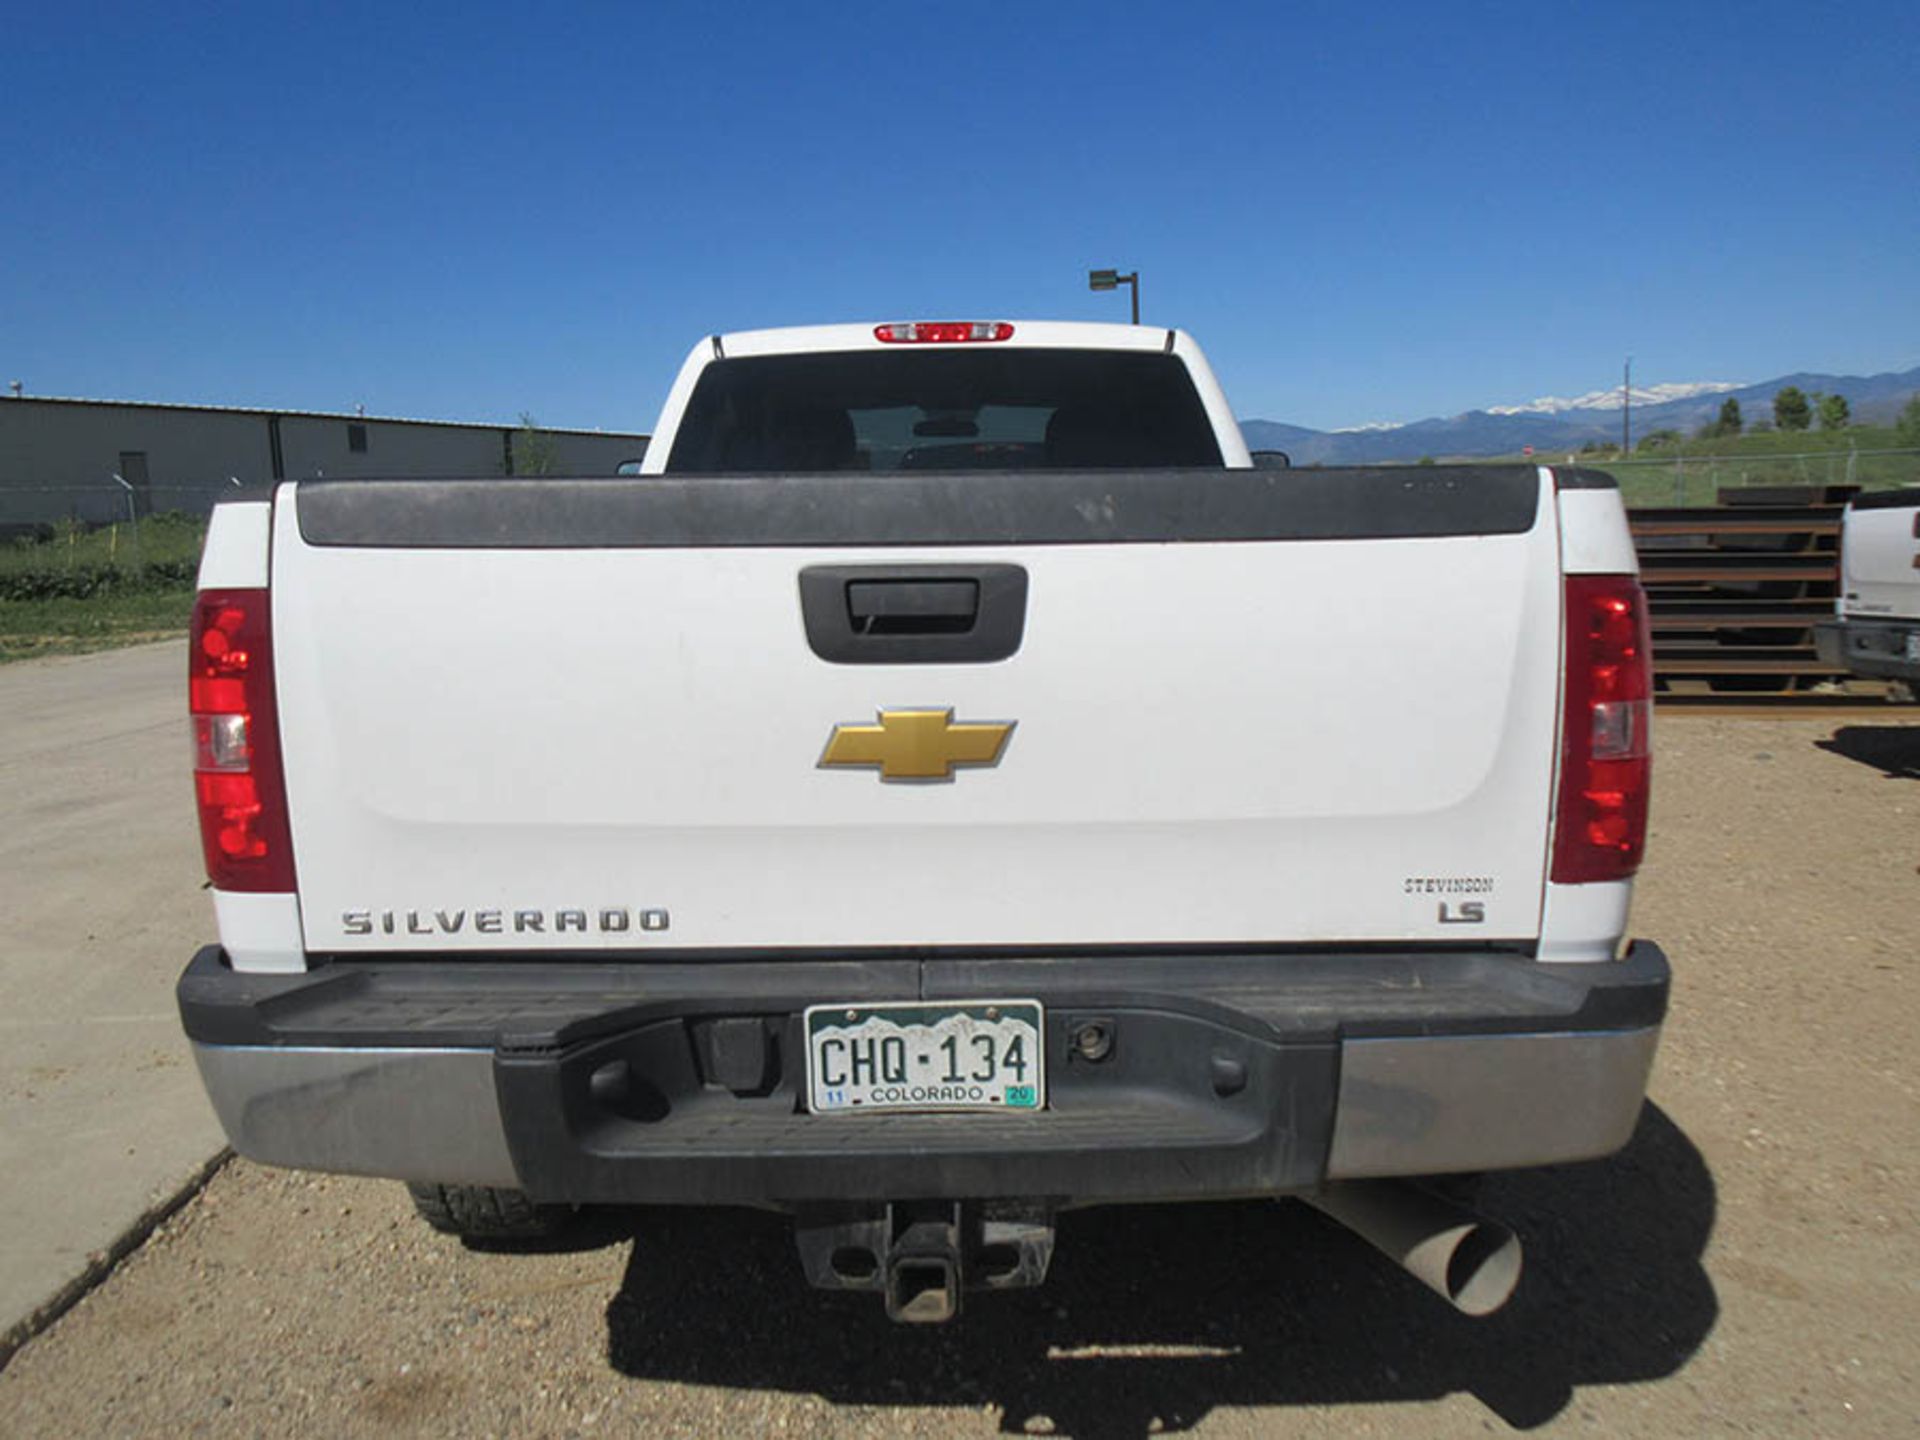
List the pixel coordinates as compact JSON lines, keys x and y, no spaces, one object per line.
{"x":1610,"y":399}
{"x":1551,"y":423}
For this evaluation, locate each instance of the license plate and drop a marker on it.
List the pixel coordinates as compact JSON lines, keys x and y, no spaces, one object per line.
{"x":983,"y":1055}
{"x":1913,"y":645}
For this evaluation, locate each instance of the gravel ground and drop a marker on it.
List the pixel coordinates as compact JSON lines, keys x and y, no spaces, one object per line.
{"x":1749,"y":1265}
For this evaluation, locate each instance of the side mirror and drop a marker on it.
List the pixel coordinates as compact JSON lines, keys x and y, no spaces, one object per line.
{"x":628,"y":467}
{"x":1272,"y":460}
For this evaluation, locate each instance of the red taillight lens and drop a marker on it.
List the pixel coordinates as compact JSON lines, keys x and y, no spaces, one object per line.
{"x":238,"y":787}
{"x":1600,"y":825}
{"x":942,"y":332}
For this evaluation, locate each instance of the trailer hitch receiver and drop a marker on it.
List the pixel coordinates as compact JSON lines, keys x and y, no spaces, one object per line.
{"x":922,"y":1255}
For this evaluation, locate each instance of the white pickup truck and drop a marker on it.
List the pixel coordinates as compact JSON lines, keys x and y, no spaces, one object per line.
{"x":1876,"y":626}
{"x":949,"y":786}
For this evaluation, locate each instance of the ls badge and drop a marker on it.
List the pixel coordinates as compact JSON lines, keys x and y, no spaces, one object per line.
{"x":916,"y":744}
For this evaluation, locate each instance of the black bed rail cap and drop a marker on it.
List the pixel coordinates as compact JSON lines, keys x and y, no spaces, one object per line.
{"x":1084,"y":507}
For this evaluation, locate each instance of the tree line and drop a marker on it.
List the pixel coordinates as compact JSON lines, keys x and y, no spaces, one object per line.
{"x":1793,"y":409}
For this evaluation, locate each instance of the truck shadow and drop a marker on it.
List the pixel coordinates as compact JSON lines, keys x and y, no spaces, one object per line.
{"x":1155,"y":1316}
{"x":1894,"y":749}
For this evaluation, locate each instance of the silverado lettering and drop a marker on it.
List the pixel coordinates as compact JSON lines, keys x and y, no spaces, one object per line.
{"x":607,"y":920}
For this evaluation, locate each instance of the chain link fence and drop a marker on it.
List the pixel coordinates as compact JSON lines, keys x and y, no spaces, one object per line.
{"x":36,"y":511}
{"x":1691,"y":480}
{"x":78,"y":542}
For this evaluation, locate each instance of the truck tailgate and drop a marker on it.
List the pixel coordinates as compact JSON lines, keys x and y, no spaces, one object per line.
{"x":1247,"y":707}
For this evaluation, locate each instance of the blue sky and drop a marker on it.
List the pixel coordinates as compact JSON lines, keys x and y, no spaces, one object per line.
{"x":1362,"y":213}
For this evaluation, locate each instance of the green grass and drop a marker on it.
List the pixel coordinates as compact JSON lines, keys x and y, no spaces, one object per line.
{"x":30,"y":628}
{"x":145,"y":597}
{"x":1775,"y":442}
{"x":156,"y":541}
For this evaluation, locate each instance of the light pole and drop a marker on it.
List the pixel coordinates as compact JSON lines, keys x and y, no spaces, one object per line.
{"x":1113,"y":280}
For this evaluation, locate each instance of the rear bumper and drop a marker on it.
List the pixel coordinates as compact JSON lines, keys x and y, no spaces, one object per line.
{"x":1230,"y":1075}
{"x":1879,"y":648}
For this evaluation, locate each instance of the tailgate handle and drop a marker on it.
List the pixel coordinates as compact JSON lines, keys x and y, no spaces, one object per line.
{"x":913,"y":607}
{"x":913,"y":614}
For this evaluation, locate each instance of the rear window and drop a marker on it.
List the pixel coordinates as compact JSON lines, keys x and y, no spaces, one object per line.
{"x":944,"y":410}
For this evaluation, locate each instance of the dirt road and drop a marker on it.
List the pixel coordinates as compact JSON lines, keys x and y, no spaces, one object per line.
{"x":1750,"y":1265}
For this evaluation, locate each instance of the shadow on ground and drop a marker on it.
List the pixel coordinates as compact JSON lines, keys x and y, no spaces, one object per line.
{"x":1894,"y":749}
{"x":1155,"y":1316}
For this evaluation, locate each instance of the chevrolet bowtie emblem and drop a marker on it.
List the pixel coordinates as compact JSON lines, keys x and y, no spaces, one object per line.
{"x":916,"y":744}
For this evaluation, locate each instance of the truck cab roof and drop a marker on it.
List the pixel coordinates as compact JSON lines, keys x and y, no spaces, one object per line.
{"x":916,"y":340}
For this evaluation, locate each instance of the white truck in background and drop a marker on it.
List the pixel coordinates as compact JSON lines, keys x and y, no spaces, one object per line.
{"x":1876,"y":626}
{"x":950,"y":786}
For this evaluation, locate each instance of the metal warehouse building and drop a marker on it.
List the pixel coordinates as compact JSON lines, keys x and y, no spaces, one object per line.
{"x":58,"y":458}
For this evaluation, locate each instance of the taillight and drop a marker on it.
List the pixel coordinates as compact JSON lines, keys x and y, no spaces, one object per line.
{"x":237,"y":781}
{"x":1600,"y":825}
{"x":942,"y":332}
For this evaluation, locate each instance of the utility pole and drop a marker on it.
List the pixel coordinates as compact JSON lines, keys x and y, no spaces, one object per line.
{"x":1626,"y":410}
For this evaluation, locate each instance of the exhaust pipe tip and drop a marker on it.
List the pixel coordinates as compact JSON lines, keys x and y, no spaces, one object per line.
{"x":1482,"y":1268}
{"x":1469,"y":1261}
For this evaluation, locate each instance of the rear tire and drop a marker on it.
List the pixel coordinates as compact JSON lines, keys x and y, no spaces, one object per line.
{"x":481,"y":1212}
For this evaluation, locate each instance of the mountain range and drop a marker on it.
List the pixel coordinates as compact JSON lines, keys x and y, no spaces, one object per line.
{"x":1553,"y":424}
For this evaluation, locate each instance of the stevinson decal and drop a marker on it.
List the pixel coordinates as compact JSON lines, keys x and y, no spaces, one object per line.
{"x":609,"y":920}
{"x":1454,"y":911}
{"x":1449,"y":885}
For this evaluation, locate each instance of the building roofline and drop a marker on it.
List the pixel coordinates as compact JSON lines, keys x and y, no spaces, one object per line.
{"x":268,"y":412}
